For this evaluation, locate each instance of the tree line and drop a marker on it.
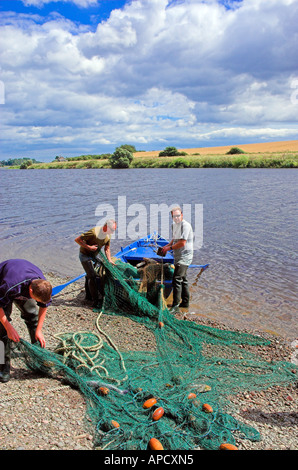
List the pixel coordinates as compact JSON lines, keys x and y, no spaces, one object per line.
{"x":18,"y":161}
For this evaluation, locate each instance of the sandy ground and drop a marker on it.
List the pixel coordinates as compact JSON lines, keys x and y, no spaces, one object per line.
{"x":266,"y":147}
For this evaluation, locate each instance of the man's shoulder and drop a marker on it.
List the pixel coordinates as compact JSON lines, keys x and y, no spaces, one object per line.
{"x":101,"y":235}
{"x":186,"y":224}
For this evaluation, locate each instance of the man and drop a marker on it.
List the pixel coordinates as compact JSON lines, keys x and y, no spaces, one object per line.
{"x":182,"y":246}
{"x":91,"y":243}
{"x":23,"y":284}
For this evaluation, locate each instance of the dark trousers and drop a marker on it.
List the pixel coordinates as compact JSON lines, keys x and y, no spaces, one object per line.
{"x":93,"y":282}
{"x":180,"y":285}
{"x":29,"y":313}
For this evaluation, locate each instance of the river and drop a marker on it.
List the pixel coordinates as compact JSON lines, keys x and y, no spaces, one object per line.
{"x":245,"y":222}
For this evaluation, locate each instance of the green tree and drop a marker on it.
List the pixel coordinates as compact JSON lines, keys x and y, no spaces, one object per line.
{"x":130,"y":148}
{"x":121,"y":158}
{"x":171,"y":152}
{"x":234,"y":151}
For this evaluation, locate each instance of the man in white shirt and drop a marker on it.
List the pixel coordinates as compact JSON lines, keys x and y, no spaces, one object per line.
{"x":182,"y":246}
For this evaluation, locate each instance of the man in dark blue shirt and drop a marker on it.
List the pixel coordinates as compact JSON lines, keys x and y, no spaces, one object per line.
{"x":23,"y":284}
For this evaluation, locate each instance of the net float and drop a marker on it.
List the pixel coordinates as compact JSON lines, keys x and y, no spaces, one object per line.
{"x":191,"y":396}
{"x":207,"y":408}
{"x":148,"y":403}
{"x":110,"y":425}
{"x":226,"y":446}
{"x":203,"y":388}
{"x":158,"y":413}
{"x":155,"y":444}
{"x":196,"y":403}
{"x":161,"y":324}
{"x":115,"y":424}
{"x":103,"y":390}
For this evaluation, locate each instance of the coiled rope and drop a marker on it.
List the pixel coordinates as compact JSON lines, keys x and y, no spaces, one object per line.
{"x":72,"y":346}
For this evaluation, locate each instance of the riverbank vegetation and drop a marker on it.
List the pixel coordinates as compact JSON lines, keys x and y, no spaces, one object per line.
{"x":170,"y":157}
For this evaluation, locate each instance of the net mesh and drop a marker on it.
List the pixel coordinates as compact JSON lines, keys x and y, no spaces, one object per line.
{"x":192,"y":366}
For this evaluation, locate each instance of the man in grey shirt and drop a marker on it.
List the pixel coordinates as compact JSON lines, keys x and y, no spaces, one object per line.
{"x":182,"y":246}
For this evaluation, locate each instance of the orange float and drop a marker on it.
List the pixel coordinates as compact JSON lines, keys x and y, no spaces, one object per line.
{"x":207,"y":408}
{"x":158,"y":413}
{"x":103,"y":390}
{"x":226,"y":446}
{"x":149,"y":403}
{"x":191,"y":396}
{"x":155,"y":444}
{"x":115,"y":424}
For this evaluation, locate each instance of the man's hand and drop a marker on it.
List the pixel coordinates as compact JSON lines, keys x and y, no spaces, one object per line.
{"x":12,"y":334}
{"x":39,"y":336}
{"x":92,"y":247}
{"x":163,"y":250}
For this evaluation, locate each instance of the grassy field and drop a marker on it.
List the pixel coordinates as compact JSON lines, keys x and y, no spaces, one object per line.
{"x":263,"y":155}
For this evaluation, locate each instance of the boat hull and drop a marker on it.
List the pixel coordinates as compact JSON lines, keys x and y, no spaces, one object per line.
{"x":145,"y":247}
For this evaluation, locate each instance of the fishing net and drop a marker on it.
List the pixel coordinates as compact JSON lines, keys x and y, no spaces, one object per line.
{"x":188,"y":379}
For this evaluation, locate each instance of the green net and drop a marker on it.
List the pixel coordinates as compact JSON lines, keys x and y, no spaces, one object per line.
{"x":192,"y":366}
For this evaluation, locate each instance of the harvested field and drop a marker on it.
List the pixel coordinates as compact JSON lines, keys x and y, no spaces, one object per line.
{"x":266,"y":147}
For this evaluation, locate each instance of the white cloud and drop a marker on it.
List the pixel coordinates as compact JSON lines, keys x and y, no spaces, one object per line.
{"x":79,"y":3}
{"x":182,"y":73}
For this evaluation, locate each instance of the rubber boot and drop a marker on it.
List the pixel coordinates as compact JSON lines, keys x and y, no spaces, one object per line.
{"x":88,"y":296}
{"x":32,"y":332}
{"x":184,"y":295}
{"x":5,"y":368}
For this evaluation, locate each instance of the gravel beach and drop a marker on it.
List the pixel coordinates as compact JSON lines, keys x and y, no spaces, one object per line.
{"x":39,"y":413}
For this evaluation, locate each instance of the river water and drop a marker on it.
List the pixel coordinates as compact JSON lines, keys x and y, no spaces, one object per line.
{"x":245,"y":222}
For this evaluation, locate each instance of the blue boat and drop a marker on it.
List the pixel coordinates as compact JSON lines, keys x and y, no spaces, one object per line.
{"x":146,"y":248}
{"x":138,"y":251}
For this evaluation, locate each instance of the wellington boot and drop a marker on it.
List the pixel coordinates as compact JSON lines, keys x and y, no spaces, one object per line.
{"x":32,"y":334}
{"x":174,"y":309}
{"x":5,"y":368}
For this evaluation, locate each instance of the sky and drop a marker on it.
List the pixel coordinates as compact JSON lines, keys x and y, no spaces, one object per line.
{"x":85,"y":76}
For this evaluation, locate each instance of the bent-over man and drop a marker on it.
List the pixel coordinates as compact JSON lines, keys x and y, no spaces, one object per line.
{"x":24,"y":285}
{"x":91,"y":242}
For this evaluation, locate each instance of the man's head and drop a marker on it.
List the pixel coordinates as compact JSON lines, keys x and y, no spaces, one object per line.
{"x":110,"y":226}
{"x":40,"y":290}
{"x":177,"y":214}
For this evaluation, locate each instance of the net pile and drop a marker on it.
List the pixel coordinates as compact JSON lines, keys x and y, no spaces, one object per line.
{"x":193,"y":366}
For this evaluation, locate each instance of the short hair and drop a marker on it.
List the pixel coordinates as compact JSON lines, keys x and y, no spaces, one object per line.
{"x":111,"y":223}
{"x":176,"y":208}
{"x":41,"y":289}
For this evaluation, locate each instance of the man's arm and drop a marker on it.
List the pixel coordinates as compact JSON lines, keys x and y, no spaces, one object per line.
{"x":108,"y":253}
{"x":83,"y":243}
{"x":172,"y":246}
{"x":11,"y":332}
{"x":38,"y":334}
